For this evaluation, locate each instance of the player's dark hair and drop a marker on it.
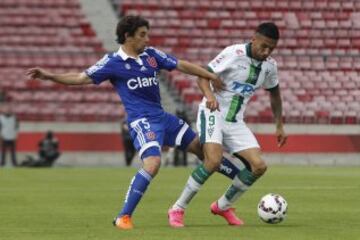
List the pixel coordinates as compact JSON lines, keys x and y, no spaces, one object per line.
{"x":129,"y":24}
{"x":268,"y":29}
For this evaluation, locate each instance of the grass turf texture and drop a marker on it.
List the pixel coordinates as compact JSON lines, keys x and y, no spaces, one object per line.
{"x":80,"y":203}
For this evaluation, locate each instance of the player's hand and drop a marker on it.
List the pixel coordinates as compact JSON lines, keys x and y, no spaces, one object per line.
{"x":38,"y":73}
{"x":218,"y":85}
{"x":212,"y":103}
{"x":281,"y":136}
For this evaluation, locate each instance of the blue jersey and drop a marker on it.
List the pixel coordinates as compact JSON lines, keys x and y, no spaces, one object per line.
{"x":135,"y":80}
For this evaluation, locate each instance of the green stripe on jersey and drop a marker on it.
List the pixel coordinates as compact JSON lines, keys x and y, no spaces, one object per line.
{"x":202,"y":127}
{"x":235,"y":107}
{"x":237,"y":101}
{"x":253,"y":74}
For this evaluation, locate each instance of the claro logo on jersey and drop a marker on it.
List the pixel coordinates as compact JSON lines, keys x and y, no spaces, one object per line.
{"x":244,"y":89}
{"x":135,"y":83}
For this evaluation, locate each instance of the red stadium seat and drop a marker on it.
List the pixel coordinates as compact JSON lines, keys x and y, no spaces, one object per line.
{"x":54,"y":35}
{"x":317,"y":54}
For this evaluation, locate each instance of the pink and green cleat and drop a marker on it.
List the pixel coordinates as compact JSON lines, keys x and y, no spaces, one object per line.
{"x":176,"y":218}
{"x":228,"y":214}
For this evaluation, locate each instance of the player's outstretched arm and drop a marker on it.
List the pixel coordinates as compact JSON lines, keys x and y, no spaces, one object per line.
{"x":211,"y":102}
{"x":193,"y":69}
{"x":64,"y":78}
{"x":276,"y":106}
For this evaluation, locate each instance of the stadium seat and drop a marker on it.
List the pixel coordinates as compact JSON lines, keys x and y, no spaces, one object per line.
{"x":54,"y":35}
{"x":317,"y":54}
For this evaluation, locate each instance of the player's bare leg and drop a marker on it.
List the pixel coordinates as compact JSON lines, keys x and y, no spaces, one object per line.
{"x":226,"y":167}
{"x":213,"y":154}
{"x":253,"y":157}
{"x":152,"y":165}
{"x":196,"y":148}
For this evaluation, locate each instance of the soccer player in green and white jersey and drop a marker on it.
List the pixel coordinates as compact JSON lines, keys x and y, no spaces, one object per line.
{"x":243,"y":68}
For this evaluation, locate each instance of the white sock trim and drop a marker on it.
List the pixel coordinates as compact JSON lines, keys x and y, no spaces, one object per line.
{"x":194,"y":185}
{"x":190,"y":190}
{"x":223,"y":203}
{"x":145,"y":174}
{"x":239,"y":184}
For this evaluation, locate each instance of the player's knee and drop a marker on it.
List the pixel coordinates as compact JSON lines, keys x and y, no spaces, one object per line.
{"x":212,"y":164}
{"x":259,"y":168}
{"x":152,"y":160}
{"x":152,"y":165}
{"x":213,"y":156}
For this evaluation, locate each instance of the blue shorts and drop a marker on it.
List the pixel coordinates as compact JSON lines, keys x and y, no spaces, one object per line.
{"x":153,"y":133}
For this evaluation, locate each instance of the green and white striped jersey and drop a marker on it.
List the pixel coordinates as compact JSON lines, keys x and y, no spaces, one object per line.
{"x":242,"y":75}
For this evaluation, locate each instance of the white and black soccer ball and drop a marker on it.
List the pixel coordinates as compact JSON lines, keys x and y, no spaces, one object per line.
{"x":272,"y":208}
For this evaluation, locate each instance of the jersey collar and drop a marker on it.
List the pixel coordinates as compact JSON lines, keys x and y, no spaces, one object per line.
{"x":248,"y":50}
{"x":248,"y":53}
{"x":124,"y":56}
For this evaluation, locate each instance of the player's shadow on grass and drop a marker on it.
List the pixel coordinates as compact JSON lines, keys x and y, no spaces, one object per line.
{"x":273,"y":225}
{"x":220,"y":225}
{"x":188,"y":226}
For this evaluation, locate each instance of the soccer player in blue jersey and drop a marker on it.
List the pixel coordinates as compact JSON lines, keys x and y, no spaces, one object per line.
{"x":133,"y":71}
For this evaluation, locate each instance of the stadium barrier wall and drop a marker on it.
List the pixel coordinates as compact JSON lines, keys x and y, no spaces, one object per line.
{"x":100,"y":144}
{"x":112,"y":142}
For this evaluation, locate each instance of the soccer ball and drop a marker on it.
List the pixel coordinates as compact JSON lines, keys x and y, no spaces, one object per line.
{"x":272,"y":208}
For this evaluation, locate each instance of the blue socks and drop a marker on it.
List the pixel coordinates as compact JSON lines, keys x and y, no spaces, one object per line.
{"x":142,"y":179}
{"x":137,"y":188}
{"x":228,"y":169}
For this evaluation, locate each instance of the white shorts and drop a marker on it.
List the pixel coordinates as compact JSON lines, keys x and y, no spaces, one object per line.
{"x":213,"y":128}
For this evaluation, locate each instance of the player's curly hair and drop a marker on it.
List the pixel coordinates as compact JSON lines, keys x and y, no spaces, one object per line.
{"x":268,"y":29}
{"x":129,"y":24}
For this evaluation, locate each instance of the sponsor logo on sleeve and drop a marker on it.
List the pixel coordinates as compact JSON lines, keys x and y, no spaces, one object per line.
{"x":160,"y":53}
{"x":239,"y":52}
{"x":100,"y":64}
{"x":170,"y":60}
{"x":219,"y":59}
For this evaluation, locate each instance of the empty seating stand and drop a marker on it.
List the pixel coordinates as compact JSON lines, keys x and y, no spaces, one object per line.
{"x":317,"y":55}
{"x":53,"y":34}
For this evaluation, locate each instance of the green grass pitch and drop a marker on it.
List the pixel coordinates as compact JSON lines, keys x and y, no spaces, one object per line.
{"x":80,"y":203}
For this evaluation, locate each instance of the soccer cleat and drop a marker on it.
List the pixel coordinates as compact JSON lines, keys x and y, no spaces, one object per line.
{"x":123,"y":222}
{"x":228,"y":214}
{"x":176,"y":217}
